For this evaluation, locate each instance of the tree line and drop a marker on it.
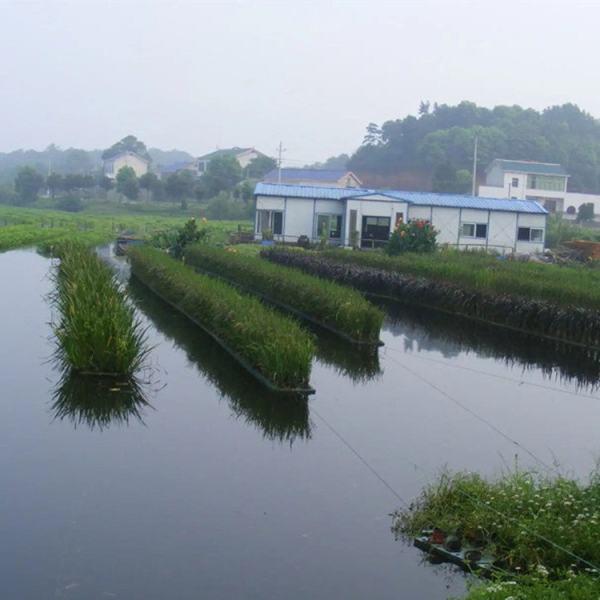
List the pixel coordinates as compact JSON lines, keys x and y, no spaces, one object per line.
{"x":438,"y":143}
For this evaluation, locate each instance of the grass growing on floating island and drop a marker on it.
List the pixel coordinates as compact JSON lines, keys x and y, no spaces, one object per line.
{"x":577,"y":285}
{"x":575,"y":324}
{"x":338,"y":307}
{"x":276,"y":346}
{"x":97,"y":331}
{"x":575,"y":587}
{"x":524,"y":519}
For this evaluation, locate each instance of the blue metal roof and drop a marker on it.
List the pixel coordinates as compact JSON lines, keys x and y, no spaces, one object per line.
{"x":529,"y":166}
{"x":415,"y":198}
{"x":300,"y":174}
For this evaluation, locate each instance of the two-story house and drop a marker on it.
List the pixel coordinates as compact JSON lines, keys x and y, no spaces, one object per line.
{"x":545,"y":183}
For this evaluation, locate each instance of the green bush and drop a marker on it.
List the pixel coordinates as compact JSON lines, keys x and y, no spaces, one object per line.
{"x":274,"y":345}
{"x":339,"y":307}
{"x":415,"y":236}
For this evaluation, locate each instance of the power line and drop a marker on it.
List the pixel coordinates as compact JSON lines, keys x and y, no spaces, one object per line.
{"x":496,"y":375}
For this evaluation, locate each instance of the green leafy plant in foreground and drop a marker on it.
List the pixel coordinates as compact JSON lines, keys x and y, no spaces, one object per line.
{"x":97,"y":330}
{"x":274,"y":345}
{"x":339,"y":307}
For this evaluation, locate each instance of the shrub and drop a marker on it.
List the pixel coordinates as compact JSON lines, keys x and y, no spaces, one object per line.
{"x":70,"y":204}
{"x":341,"y":308}
{"x":97,"y":330}
{"x":268,"y":342}
{"x":415,"y":236}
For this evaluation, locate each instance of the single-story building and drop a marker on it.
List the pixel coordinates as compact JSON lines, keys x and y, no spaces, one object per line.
{"x":348,"y":216}
{"x":321,"y":177}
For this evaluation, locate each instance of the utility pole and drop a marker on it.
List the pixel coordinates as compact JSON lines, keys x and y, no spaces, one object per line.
{"x":475,"y":166}
{"x":280,"y":152}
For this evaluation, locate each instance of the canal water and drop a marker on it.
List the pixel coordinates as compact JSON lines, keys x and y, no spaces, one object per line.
{"x":202,"y":485}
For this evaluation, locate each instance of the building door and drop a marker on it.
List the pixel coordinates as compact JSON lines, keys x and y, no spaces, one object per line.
{"x":375,"y":231}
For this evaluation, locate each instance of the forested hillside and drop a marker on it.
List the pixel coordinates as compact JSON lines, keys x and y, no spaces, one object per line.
{"x":435,"y":148}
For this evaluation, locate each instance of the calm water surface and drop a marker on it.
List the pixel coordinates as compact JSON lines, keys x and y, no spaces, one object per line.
{"x":215,"y":489}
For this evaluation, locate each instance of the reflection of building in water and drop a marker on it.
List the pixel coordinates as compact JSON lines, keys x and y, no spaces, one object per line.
{"x":433,"y":331}
{"x":279,"y":417}
{"x":98,"y":401}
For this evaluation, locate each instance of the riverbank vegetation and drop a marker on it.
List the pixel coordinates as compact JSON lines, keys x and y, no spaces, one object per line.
{"x":273,"y":345}
{"x":21,"y":227}
{"x":97,"y":331}
{"x":338,"y":307}
{"x":543,"y":531}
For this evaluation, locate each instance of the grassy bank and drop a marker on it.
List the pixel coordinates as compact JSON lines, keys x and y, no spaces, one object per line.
{"x":574,"y":324}
{"x":97,"y":331}
{"x":336,"y":306}
{"x":268,"y":342}
{"x":21,"y":227}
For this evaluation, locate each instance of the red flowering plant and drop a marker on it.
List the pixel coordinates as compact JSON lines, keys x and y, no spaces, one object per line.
{"x":415,"y":236}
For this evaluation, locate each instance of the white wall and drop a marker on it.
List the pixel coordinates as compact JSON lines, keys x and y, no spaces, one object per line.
{"x":446,"y":221}
{"x":372,"y":207}
{"x":299,"y":218}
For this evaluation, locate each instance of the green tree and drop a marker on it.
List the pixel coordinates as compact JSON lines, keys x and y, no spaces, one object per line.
{"x":180,"y":186}
{"x":222,"y":175}
{"x":28,"y":183}
{"x":127,"y":183}
{"x":260,"y":166}
{"x":54,"y":183}
{"x":128,"y":143}
{"x":585,"y":213}
{"x":152,"y":184}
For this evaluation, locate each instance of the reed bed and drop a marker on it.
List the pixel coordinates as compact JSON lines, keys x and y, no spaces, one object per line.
{"x":577,"y":285}
{"x":273,"y":345}
{"x":338,"y":307}
{"x":97,"y":331}
{"x":574,"y":324}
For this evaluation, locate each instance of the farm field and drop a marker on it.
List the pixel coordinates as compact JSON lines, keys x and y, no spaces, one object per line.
{"x":301,"y":483}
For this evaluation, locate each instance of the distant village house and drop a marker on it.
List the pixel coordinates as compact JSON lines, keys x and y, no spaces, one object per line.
{"x":546,"y":183}
{"x":113,"y":164}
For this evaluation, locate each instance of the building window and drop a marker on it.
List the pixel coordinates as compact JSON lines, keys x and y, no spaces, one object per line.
{"x":329,"y":226}
{"x":474,"y":230}
{"x":529,"y":234}
{"x":551,"y":183}
{"x":375,"y":231}
{"x":571,"y":210}
{"x":515,"y":182}
{"x":269,"y":219}
{"x":399,"y":219}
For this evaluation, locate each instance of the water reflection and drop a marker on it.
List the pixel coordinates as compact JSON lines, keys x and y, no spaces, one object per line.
{"x":425,"y":329}
{"x":279,"y":417}
{"x":98,"y":401}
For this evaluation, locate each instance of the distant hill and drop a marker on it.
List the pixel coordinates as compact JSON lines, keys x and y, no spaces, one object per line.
{"x":434,"y":150}
{"x":168,"y":157}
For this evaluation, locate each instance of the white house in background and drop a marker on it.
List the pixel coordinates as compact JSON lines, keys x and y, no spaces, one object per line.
{"x":125,"y":159}
{"x":545,"y":183}
{"x":323,"y":177}
{"x":368,"y":217}
{"x":243,"y":155}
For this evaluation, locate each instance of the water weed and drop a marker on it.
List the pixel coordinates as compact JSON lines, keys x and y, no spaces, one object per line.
{"x":342,"y":309}
{"x":272,"y":344}
{"x":97,"y":330}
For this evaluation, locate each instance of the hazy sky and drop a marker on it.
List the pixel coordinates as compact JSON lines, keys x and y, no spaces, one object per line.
{"x":198,"y":75}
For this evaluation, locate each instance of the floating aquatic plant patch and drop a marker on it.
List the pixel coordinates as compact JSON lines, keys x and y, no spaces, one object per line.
{"x":574,"y":324}
{"x":339,"y":308}
{"x":271,"y":345}
{"x":573,"y":285}
{"x":97,"y":331}
{"x":529,"y":523}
